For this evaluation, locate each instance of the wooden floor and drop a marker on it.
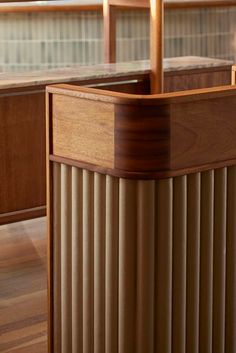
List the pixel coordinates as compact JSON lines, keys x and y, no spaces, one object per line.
{"x":23,"y":287}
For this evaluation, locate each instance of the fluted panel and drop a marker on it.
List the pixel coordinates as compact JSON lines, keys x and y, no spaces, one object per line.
{"x":206,"y":262}
{"x":163,"y":279}
{"x":127,"y":266}
{"x":88,"y":262}
{"x":99,"y":262}
{"x":66,"y":309}
{"x":111,"y":264}
{"x":219,"y":269}
{"x":57,"y":256}
{"x":231,"y":263}
{"x":179,"y":264}
{"x":144,"y":266}
{"x":77,"y":260}
{"x":193,"y":261}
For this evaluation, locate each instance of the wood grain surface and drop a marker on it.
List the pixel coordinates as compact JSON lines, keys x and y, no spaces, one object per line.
{"x":165,"y":133}
{"x":23,"y":314}
{"x":82,"y":130}
{"x":22,"y":132}
{"x":22,"y":152}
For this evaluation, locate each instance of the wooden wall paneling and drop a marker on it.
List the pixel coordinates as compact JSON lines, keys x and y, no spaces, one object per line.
{"x":197,"y":78}
{"x":22,"y":155}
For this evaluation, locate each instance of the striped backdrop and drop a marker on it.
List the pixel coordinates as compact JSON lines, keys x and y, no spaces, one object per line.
{"x":30,"y":41}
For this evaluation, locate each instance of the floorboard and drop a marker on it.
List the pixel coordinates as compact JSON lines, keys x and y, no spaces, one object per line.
{"x":23,"y":315}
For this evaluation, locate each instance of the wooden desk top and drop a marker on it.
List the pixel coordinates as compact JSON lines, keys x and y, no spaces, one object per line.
{"x":84,"y":73}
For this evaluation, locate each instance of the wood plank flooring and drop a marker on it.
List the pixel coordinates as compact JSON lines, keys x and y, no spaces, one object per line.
{"x":23,"y":295}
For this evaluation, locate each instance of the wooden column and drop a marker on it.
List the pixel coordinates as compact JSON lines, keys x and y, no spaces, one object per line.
{"x":109,"y":20}
{"x":234,"y":75}
{"x":156,"y":45}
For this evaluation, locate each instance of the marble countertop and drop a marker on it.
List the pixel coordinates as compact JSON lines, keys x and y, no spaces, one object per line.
{"x":82,"y":73}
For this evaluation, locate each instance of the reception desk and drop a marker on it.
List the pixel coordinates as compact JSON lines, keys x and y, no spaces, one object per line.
{"x":22,"y":110}
{"x":142,"y":227}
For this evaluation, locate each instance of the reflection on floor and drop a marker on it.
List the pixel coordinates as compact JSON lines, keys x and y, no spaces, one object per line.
{"x":23,"y":287}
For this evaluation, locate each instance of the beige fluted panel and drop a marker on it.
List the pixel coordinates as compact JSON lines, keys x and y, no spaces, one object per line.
{"x":66,"y":310}
{"x":163,"y":280}
{"x":153,"y":263}
{"x":57,"y":256}
{"x":231,"y":263}
{"x":219,"y":260}
{"x":111,"y":259}
{"x":88,"y":262}
{"x":206,"y":267}
{"x":77,"y":260}
{"x":145,"y":266}
{"x":179,"y":264}
{"x":193,"y":262}
{"x":127,"y":265}
{"x":99,"y":262}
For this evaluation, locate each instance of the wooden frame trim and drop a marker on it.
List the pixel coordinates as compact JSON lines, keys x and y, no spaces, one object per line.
{"x":234,"y":75}
{"x":49,"y":196}
{"x":22,"y":215}
{"x":156,"y":36}
{"x":131,"y":99}
{"x":35,"y":8}
{"x":142,"y":176}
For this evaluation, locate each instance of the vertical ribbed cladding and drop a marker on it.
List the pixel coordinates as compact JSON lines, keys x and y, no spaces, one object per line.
{"x":179,"y":264}
{"x":88,"y":262}
{"x":145,"y":266}
{"x":219,"y":269}
{"x":77,"y":260}
{"x":163,"y":266}
{"x":57,"y":256}
{"x":127,"y":266}
{"x":99,"y":262}
{"x":206,"y":262}
{"x":66,"y":309}
{"x":193,"y":262}
{"x":231,"y":263}
{"x":111,"y":264}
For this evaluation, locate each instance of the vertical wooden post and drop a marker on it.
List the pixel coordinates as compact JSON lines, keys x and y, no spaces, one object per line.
{"x":109,"y":20}
{"x":156,"y":40}
{"x":234,"y":75}
{"x":156,"y":45}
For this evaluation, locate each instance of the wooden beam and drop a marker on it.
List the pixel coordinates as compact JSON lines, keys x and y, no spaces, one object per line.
{"x":234,"y":75}
{"x":156,"y":45}
{"x":109,"y":21}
